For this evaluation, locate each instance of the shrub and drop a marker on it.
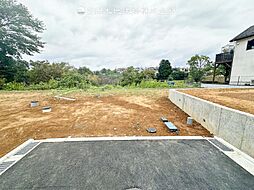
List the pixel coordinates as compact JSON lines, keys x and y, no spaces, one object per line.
{"x":14,"y":86}
{"x":153,"y":84}
{"x":74,"y":80}
{"x":2,"y":82}
{"x":177,"y":74}
{"x":52,"y":84}
{"x":107,"y":87}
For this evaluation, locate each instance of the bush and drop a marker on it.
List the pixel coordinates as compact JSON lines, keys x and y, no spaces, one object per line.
{"x":2,"y":82}
{"x":52,"y":84}
{"x":74,"y":80}
{"x":14,"y":86}
{"x":130,"y":76}
{"x":107,"y":87}
{"x":177,"y":74}
{"x":153,"y":84}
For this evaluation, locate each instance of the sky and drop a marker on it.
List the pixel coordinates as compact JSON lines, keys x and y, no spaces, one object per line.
{"x":120,"y":33}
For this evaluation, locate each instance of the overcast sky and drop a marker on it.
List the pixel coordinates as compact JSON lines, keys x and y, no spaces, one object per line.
{"x":121,"y":33}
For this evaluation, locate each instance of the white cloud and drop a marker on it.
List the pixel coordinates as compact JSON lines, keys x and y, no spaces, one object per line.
{"x":118,"y":40}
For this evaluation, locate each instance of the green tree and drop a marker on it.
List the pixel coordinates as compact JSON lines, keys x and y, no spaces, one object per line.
{"x":73,"y":79}
{"x":104,"y":71}
{"x":200,"y":65}
{"x":165,"y":70}
{"x":225,"y":71}
{"x":177,"y":74}
{"x":15,"y":70}
{"x":18,"y":30}
{"x":147,"y":74}
{"x":107,"y":76}
{"x":43,"y":71}
{"x":130,"y":76}
{"x":84,"y":71}
{"x":2,"y":83}
{"x":7,"y":70}
{"x":18,"y":35}
{"x":21,"y":71}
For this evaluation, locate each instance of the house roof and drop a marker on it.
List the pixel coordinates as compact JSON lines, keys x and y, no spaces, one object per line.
{"x":245,"y":34}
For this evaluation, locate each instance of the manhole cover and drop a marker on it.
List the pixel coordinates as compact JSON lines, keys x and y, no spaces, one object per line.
{"x":151,"y":130}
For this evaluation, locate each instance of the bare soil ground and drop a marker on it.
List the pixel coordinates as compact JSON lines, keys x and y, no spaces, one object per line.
{"x":240,"y":99}
{"x":123,"y":113}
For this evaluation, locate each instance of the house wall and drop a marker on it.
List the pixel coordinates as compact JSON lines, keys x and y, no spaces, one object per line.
{"x":243,"y":63}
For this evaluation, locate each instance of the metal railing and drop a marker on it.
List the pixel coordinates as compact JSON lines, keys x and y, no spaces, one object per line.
{"x":224,"y":58}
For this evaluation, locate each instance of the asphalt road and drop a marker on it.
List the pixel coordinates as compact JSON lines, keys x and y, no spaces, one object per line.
{"x":157,"y":164}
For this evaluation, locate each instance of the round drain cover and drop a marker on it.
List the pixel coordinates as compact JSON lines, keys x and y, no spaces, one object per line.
{"x":151,"y":130}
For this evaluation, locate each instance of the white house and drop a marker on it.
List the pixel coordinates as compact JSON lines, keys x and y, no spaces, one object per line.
{"x":239,"y":61}
{"x":242,"y":72}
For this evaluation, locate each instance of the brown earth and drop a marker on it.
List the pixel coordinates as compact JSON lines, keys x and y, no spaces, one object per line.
{"x":111,"y":114}
{"x":240,"y":99}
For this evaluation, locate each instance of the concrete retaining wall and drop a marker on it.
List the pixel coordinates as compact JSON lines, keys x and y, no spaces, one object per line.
{"x":235,"y":127}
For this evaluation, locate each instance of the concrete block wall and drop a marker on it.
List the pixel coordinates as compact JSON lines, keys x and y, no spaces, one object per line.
{"x":234,"y":126}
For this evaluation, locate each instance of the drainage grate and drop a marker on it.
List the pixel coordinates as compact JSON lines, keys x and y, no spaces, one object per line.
{"x":220,"y":145}
{"x":27,"y":148}
{"x":5,"y":165}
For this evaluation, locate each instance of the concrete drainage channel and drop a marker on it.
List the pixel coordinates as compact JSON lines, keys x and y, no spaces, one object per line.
{"x":235,"y":127}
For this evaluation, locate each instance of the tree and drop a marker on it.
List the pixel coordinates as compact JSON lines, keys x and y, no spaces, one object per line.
{"x":200,"y":65}
{"x":18,"y":30}
{"x":73,"y":79}
{"x":43,"y":71}
{"x":147,"y":74}
{"x":15,"y":70}
{"x":225,"y":71}
{"x":107,"y":76}
{"x":21,"y":71}
{"x":18,"y":35}
{"x":165,"y":70}
{"x":84,"y":71}
{"x":177,"y":74}
{"x":130,"y":76}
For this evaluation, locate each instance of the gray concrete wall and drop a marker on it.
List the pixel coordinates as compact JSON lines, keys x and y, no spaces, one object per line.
{"x":235,"y":127}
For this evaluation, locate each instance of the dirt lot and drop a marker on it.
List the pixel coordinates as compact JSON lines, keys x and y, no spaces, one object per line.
{"x":123,"y":113}
{"x":240,"y":99}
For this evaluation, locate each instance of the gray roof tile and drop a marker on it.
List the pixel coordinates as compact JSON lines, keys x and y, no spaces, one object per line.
{"x":245,"y":34}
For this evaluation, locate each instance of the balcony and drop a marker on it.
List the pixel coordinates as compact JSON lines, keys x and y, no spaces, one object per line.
{"x":224,"y":58}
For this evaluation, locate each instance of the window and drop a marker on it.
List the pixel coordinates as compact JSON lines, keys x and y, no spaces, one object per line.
{"x":250,"y":44}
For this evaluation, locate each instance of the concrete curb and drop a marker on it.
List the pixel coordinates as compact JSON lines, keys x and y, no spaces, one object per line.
{"x":128,"y":138}
{"x":13,"y":158}
{"x":236,"y":155}
{"x":14,"y":151}
{"x":234,"y":126}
